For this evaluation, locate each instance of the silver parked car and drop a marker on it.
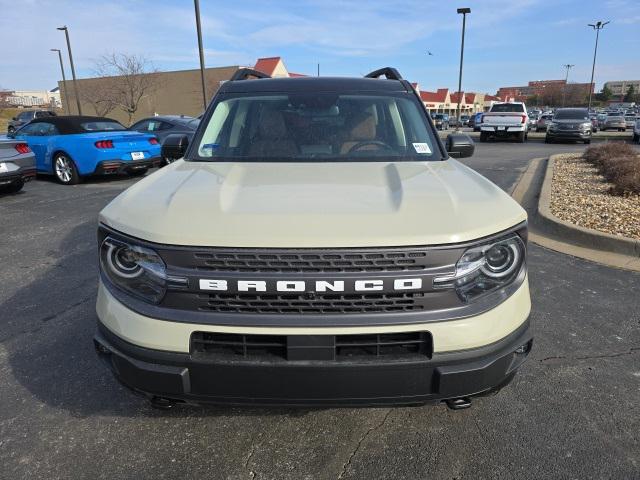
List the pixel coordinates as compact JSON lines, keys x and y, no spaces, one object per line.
{"x":630,"y":120}
{"x":17,"y":165}
{"x":614,"y":122}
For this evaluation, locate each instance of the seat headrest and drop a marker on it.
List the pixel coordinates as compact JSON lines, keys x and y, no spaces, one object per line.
{"x":364,"y":128}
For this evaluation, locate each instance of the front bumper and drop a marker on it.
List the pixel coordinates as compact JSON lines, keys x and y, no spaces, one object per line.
{"x":467,"y":357}
{"x":109,"y":167}
{"x":181,"y":377}
{"x":569,"y":134}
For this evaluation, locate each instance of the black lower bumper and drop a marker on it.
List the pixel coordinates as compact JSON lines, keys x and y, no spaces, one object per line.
{"x":22,"y":175}
{"x":108,"y":167}
{"x":180,"y":377}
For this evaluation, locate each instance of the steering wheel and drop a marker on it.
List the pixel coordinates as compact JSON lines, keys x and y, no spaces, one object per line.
{"x":365,"y":143}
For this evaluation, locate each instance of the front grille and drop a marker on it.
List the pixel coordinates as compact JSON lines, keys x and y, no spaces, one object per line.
{"x":305,"y":304}
{"x":227,"y":346}
{"x":315,"y":262}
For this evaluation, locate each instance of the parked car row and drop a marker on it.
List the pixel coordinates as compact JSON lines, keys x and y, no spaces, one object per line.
{"x":71,"y":148}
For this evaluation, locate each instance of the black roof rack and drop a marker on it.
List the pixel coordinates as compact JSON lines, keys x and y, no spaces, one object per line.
{"x":389,"y":72}
{"x":246,"y":73}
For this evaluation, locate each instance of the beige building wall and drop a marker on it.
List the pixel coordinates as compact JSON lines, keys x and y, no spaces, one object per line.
{"x":177,"y":92}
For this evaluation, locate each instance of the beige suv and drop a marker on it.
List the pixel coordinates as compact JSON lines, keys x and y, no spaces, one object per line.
{"x":317,"y":244}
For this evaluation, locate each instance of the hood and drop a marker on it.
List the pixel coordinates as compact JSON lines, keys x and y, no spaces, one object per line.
{"x":290,"y":205}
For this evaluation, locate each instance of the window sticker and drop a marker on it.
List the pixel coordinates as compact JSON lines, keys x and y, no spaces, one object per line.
{"x":422,"y":148}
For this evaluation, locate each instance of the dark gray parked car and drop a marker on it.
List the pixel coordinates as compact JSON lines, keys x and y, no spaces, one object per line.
{"x":17,"y":165}
{"x":570,"y":124}
{"x":164,"y":125}
{"x":25,"y":117}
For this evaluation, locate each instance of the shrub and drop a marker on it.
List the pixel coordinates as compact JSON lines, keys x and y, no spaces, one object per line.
{"x":619,"y":163}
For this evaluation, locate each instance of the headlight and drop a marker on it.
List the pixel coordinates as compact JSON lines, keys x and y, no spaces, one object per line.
{"x":586,"y":125}
{"x":486,"y":268}
{"x":553,"y":126}
{"x":137,"y":270}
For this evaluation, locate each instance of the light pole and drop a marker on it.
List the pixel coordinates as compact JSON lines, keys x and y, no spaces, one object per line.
{"x":566,"y":79}
{"x":73,"y":70}
{"x":64,"y":79}
{"x":597,"y":27}
{"x":464,"y":12}
{"x":201,"y":52}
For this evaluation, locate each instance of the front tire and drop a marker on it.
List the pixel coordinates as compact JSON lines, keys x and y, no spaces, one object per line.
{"x":11,"y":130}
{"x":547,"y":139}
{"x":483,"y":136}
{"x":64,"y":169}
{"x":521,"y":137}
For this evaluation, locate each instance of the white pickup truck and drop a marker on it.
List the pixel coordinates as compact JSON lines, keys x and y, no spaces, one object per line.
{"x":504,"y":120}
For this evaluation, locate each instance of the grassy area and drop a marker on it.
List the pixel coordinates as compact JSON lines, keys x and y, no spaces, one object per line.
{"x":7,"y":114}
{"x":619,"y":164}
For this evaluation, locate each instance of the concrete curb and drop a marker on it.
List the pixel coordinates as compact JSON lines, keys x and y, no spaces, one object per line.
{"x":575,"y":234}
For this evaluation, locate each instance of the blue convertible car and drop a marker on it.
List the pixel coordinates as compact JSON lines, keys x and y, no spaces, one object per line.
{"x":71,"y":147}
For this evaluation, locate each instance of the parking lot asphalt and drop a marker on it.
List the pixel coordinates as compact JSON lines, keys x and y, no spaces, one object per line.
{"x":572,"y":412}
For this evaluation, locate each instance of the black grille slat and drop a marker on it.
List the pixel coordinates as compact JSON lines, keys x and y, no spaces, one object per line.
{"x":332,"y":303}
{"x":397,"y":346}
{"x":306,"y":262}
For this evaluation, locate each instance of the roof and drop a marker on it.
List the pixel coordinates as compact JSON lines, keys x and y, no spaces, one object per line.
{"x":68,"y":124}
{"x":438,"y":97}
{"x":309,"y":84}
{"x":174,"y":118}
{"x":267,"y":65}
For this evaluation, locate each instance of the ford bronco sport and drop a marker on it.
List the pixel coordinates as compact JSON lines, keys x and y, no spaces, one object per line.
{"x":317,"y":244}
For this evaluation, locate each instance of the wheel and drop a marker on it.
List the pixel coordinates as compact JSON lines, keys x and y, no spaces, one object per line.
{"x":521,"y":137}
{"x":587,"y":142}
{"x":636,"y":138}
{"x":138,"y":173}
{"x":11,"y":130}
{"x":483,"y":136}
{"x":65,"y":169}
{"x":547,"y":139}
{"x":15,"y":187}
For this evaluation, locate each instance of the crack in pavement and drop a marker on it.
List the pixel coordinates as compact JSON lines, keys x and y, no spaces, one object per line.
{"x":361,"y":441}
{"x":631,"y":351}
{"x":42,"y":321}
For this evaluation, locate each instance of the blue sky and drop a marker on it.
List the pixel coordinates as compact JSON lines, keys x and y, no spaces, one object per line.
{"x":508,"y":42}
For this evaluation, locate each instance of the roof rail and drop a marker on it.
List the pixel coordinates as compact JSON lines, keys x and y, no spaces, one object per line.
{"x":389,"y":73}
{"x":246,"y":73}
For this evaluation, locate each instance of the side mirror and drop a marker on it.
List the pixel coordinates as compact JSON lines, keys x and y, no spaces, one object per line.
{"x":15,"y":118}
{"x":174,"y":146}
{"x":460,"y":145}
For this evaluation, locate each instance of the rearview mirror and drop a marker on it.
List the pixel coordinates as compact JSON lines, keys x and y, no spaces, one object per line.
{"x":460,"y":145}
{"x":174,"y":146}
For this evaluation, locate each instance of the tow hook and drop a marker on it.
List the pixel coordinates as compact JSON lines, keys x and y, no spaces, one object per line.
{"x":459,"y":403}
{"x":161,"y":403}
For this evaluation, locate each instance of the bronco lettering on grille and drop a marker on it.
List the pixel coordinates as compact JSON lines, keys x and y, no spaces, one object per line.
{"x":359,"y":285}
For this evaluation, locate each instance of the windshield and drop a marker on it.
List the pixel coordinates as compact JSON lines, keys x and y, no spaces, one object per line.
{"x":507,"y":108}
{"x":571,"y":115}
{"x":316,"y":126}
{"x":101,"y":126}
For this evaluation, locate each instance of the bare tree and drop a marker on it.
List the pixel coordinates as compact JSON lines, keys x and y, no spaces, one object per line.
{"x":133,"y":78}
{"x":100,"y":95}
